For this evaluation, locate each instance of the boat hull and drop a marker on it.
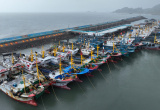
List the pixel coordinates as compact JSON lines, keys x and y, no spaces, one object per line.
{"x":62,"y":84}
{"x":29,"y":100}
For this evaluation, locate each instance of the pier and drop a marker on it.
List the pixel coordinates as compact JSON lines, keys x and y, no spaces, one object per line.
{"x":36,"y":39}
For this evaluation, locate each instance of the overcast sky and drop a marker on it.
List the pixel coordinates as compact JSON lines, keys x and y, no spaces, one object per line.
{"x":72,"y":5}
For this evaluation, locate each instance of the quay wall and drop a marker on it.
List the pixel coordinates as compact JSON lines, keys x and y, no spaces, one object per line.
{"x":38,"y":39}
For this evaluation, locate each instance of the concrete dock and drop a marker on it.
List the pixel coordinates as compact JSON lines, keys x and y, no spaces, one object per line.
{"x":36,"y":39}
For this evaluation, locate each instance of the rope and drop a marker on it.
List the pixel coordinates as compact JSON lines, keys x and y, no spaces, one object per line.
{"x":103,"y":75}
{"x":81,"y":88}
{"x":42,"y":74}
{"x":55,"y":94}
{"x":31,"y":84}
{"x":123,"y":60}
{"x":43,"y":104}
{"x":115,"y":64}
{"x":91,"y":82}
{"x":109,"y":67}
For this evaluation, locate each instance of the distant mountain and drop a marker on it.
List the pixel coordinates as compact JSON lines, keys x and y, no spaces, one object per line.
{"x":153,"y":10}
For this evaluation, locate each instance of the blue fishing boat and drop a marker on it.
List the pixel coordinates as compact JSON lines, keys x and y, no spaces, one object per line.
{"x":76,"y":70}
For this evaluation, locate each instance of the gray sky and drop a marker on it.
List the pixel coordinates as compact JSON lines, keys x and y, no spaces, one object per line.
{"x":72,"y":5}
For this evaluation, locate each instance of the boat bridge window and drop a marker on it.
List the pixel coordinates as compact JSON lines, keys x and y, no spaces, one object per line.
{"x":149,"y":45}
{"x":153,"y":44}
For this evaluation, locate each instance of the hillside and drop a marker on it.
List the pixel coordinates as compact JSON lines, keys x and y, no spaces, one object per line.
{"x":153,"y":10}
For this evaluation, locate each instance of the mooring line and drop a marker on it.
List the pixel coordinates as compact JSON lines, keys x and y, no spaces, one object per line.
{"x":81,"y":89}
{"x":103,"y":75}
{"x":109,"y":67}
{"x":123,"y":60}
{"x":115,"y":64}
{"x":55,"y":94}
{"x":43,"y":104}
{"x":91,"y":82}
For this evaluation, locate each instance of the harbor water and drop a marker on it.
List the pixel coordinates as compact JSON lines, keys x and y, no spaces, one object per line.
{"x":130,"y":84}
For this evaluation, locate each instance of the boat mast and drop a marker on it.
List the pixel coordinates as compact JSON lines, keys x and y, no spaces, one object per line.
{"x":31,"y":56}
{"x":88,"y":45}
{"x":142,"y":31}
{"x":37,"y":70}
{"x":55,"y":51}
{"x":91,"y":54}
{"x":72,"y":61}
{"x":59,"y":43}
{"x":130,"y":35}
{"x":12,"y":59}
{"x":113,"y":36}
{"x":113,"y":46}
{"x":97,"y":50}
{"x":72,"y":45}
{"x":155,"y":39}
{"x":24,"y":82}
{"x":103,"y":48}
{"x":63,"y":47}
{"x":81,"y":58}
{"x":43,"y":52}
{"x":60,"y":68}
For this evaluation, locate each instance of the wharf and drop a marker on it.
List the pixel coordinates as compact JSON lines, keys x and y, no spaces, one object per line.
{"x":31,"y":40}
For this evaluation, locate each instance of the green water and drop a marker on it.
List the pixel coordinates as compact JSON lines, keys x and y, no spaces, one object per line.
{"x":131,"y":84}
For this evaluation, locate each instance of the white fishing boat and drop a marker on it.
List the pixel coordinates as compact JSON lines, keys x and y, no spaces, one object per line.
{"x":62,"y":79}
{"x":86,"y":50}
{"x":10,"y":62}
{"x":31,"y":67}
{"x":20,"y":87}
{"x":68,"y":49}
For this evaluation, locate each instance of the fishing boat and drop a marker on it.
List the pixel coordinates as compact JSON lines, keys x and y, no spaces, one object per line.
{"x":101,"y":52}
{"x":68,"y":50}
{"x":83,"y":64}
{"x":86,"y":50}
{"x":20,"y":88}
{"x":73,"y":69}
{"x":115,"y":52}
{"x":109,"y":44}
{"x":152,"y":46}
{"x":96,"y":59}
{"x":31,"y":67}
{"x":10,"y":62}
{"x":57,"y":55}
{"x":62,"y":78}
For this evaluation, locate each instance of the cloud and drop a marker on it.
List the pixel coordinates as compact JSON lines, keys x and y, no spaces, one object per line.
{"x":71,"y":5}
